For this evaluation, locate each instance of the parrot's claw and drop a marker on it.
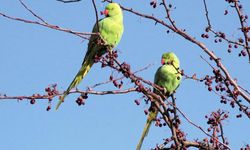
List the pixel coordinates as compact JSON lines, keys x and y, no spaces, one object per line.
{"x":110,"y":51}
{"x":165,"y":92}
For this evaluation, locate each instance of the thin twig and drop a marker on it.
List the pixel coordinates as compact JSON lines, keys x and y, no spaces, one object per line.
{"x":55,"y":27}
{"x":168,"y":14}
{"x":34,"y":14}
{"x":37,"y":96}
{"x":222,"y":133}
{"x":206,"y":13}
{"x":119,"y":78}
{"x":96,"y":14}
{"x":69,"y":1}
{"x":241,"y":17}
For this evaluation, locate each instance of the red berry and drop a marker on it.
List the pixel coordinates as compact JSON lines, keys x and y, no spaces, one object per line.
{"x":137,"y":102}
{"x":111,"y":78}
{"x":210,"y":88}
{"x":243,"y":52}
{"x":154,"y":6}
{"x":32,"y":101}
{"x":103,"y":65}
{"x":115,"y":83}
{"x":208,"y":129}
{"x":217,"y":88}
{"x":226,"y":115}
{"x":226,"y":12}
{"x":80,"y":101}
{"x":241,"y":40}
{"x":48,"y":108}
{"x":47,"y":89}
{"x":239,"y":116}
{"x":207,"y":29}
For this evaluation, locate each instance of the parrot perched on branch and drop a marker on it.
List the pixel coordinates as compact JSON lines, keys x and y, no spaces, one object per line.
{"x":167,"y":76}
{"x":110,"y":31}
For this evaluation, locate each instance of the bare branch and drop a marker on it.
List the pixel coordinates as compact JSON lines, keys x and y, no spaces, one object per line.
{"x":51,"y":26}
{"x":46,"y":96}
{"x":34,"y":14}
{"x":96,"y":13}
{"x":119,"y":78}
{"x":69,"y":1}
{"x":199,"y":44}
{"x":243,"y":27}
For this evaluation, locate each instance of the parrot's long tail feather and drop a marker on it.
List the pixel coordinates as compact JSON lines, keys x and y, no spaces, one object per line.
{"x":80,"y":75}
{"x":151,"y":117}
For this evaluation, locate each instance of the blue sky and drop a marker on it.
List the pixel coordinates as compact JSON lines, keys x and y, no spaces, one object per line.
{"x":33,"y":57}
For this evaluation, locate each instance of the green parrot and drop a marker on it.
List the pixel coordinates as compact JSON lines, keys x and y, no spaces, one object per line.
{"x":168,"y":77}
{"x":111,"y":30}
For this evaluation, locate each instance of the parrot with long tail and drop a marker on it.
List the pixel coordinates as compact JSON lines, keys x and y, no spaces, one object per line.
{"x":167,"y":76}
{"x":110,"y":31}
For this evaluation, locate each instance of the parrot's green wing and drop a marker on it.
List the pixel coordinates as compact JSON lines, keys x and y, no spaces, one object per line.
{"x":111,"y":30}
{"x":168,"y":77}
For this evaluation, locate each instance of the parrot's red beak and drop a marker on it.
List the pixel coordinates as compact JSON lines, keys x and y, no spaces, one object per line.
{"x":162,"y":61}
{"x":105,"y":12}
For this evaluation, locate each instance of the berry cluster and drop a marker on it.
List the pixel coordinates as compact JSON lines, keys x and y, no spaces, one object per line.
{"x":247,"y":147}
{"x":51,"y":92}
{"x":115,"y":83}
{"x":224,"y":88}
{"x":216,"y":128}
{"x":220,"y":36}
{"x":81,"y":99}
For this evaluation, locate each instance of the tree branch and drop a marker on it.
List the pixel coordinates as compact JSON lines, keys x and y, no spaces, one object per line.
{"x":69,"y":1}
